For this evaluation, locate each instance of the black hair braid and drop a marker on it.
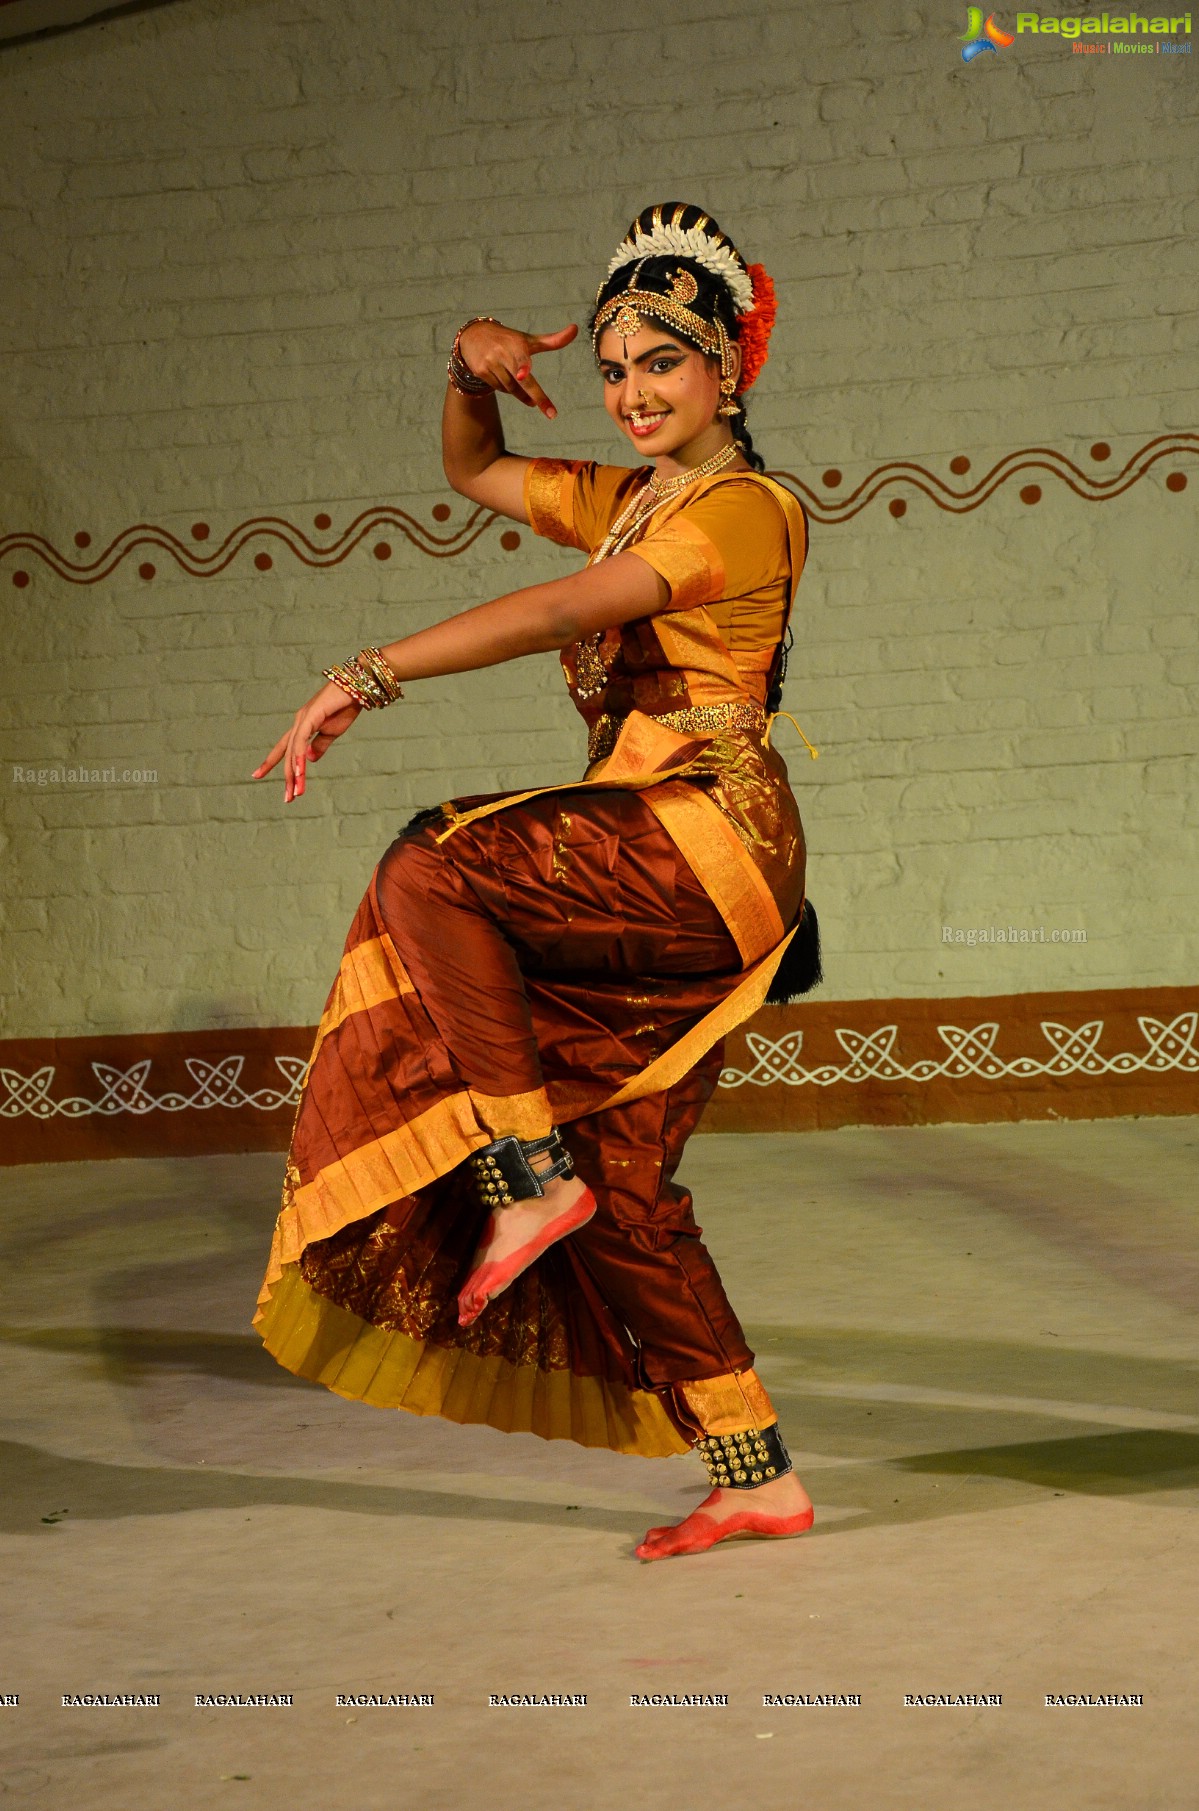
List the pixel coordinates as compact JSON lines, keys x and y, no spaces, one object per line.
{"x":713,"y":301}
{"x":777,"y":677}
{"x":744,"y":439}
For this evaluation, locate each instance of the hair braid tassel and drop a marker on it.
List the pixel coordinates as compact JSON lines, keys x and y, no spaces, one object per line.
{"x":754,"y":328}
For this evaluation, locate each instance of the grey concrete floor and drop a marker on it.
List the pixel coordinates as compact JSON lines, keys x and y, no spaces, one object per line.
{"x":982,"y":1345}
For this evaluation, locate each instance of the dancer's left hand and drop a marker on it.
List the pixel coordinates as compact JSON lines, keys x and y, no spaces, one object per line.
{"x":317,"y":726}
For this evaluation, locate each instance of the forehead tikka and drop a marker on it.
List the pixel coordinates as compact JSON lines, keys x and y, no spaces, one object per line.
{"x":627,"y":313}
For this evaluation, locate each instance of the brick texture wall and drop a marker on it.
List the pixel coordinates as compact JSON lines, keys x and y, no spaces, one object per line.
{"x":234,"y":242}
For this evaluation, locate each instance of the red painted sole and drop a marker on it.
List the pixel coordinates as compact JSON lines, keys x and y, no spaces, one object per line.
{"x":699,"y":1532}
{"x":492,"y":1279}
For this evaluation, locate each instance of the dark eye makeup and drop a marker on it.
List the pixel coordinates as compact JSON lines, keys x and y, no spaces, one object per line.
{"x":668,"y":362}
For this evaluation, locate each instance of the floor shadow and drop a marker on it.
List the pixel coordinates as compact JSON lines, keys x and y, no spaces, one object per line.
{"x":831,"y":1355}
{"x":1127,"y":1462}
{"x":989,"y":1367}
{"x":43,"y":1489}
{"x":129,"y":1355}
{"x":904,"y":1461}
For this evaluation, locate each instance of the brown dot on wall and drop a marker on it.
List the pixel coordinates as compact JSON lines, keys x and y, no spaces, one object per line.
{"x":1101,"y":450}
{"x":1176,"y":481}
{"x":898,"y":507}
{"x":83,"y":538}
{"x":146,"y":570}
{"x":441,"y":512}
{"x":1030,"y":493}
{"x":20,"y":580}
{"x":510,"y":540}
{"x":322,"y":521}
{"x":959,"y":464}
{"x":832,"y":477}
{"x":263,"y":562}
{"x":200,"y":531}
{"x":382,"y":550}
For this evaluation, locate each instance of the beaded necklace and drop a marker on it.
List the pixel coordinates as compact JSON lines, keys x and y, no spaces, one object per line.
{"x":652,"y":496}
{"x":591,"y":674}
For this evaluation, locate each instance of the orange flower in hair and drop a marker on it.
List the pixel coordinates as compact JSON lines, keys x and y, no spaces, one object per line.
{"x":755,"y":327}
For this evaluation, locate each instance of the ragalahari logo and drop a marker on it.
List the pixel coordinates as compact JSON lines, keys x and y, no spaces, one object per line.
{"x":983,"y":36}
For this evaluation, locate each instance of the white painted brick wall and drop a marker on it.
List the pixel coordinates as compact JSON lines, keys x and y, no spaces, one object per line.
{"x":234,"y":242}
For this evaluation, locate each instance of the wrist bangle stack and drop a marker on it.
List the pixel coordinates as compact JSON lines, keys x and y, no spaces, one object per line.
{"x":458,"y":371}
{"x":367,"y":679}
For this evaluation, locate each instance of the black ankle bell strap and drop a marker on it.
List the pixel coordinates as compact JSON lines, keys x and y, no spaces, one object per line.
{"x":743,"y":1461}
{"x":503,"y":1172}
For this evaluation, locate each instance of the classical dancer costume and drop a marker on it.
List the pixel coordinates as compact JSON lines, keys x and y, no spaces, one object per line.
{"x":571,"y":958}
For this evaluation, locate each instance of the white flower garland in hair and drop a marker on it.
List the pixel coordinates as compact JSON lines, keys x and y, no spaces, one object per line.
{"x":694,"y":243}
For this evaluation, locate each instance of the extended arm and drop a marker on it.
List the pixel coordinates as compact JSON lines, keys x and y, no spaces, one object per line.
{"x":532,"y":621}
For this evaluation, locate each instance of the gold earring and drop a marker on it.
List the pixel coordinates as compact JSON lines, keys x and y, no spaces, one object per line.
{"x":728,"y":383}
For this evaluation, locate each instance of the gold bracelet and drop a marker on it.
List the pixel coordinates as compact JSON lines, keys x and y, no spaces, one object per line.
{"x":367,"y":679}
{"x":372,"y":659}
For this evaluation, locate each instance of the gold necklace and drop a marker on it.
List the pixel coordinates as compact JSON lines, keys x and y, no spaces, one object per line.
{"x":653,"y":495}
{"x":591,"y":674}
{"x":667,"y":487}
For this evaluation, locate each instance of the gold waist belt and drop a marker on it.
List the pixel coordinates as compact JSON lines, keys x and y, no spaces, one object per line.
{"x":731,"y":713}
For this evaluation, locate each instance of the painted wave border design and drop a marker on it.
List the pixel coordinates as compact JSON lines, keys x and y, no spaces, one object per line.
{"x":824,"y":508}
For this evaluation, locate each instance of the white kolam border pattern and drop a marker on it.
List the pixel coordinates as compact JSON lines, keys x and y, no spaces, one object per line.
{"x":218,"y":1084}
{"x":971,"y":1053}
{"x":776,"y":1062}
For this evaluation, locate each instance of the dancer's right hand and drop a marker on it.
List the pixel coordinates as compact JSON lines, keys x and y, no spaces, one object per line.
{"x":315,"y":727}
{"x":503,"y":356}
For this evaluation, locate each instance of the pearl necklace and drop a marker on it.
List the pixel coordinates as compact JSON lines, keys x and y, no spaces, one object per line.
{"x":653,"y":495}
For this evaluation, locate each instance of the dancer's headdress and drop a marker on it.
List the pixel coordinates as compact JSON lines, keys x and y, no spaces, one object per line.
{"x":688,"y":275}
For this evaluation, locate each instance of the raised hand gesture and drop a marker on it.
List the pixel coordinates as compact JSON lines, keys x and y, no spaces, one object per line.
{"x":503,"y":357}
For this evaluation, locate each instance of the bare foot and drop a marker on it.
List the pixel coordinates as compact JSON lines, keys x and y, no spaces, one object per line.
{"x":516,"y":1236}
{"x":775,"y":1510}
{"x":511,"y":1227}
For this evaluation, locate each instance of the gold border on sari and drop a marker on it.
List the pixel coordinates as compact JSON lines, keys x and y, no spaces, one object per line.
{"x":524,"y":1116}
{"x":687,"y":559}
{"x":548,"y":496}
{"x":317,"y":1339}
{"x":731,"y":1404}
{"x":373,"y":1176}
{"x":369,"y":974}
{"x":673,"y":1064}
{"x":715,"y":853}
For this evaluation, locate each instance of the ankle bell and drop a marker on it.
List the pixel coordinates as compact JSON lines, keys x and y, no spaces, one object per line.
{"x":504,"y":1174}
{"x":745,"y":1460}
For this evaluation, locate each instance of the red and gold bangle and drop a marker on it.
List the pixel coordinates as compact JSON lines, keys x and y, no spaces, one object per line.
{"x":367,"y":679}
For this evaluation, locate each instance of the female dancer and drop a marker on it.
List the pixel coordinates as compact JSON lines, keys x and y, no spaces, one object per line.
{"x":571,"y":956}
